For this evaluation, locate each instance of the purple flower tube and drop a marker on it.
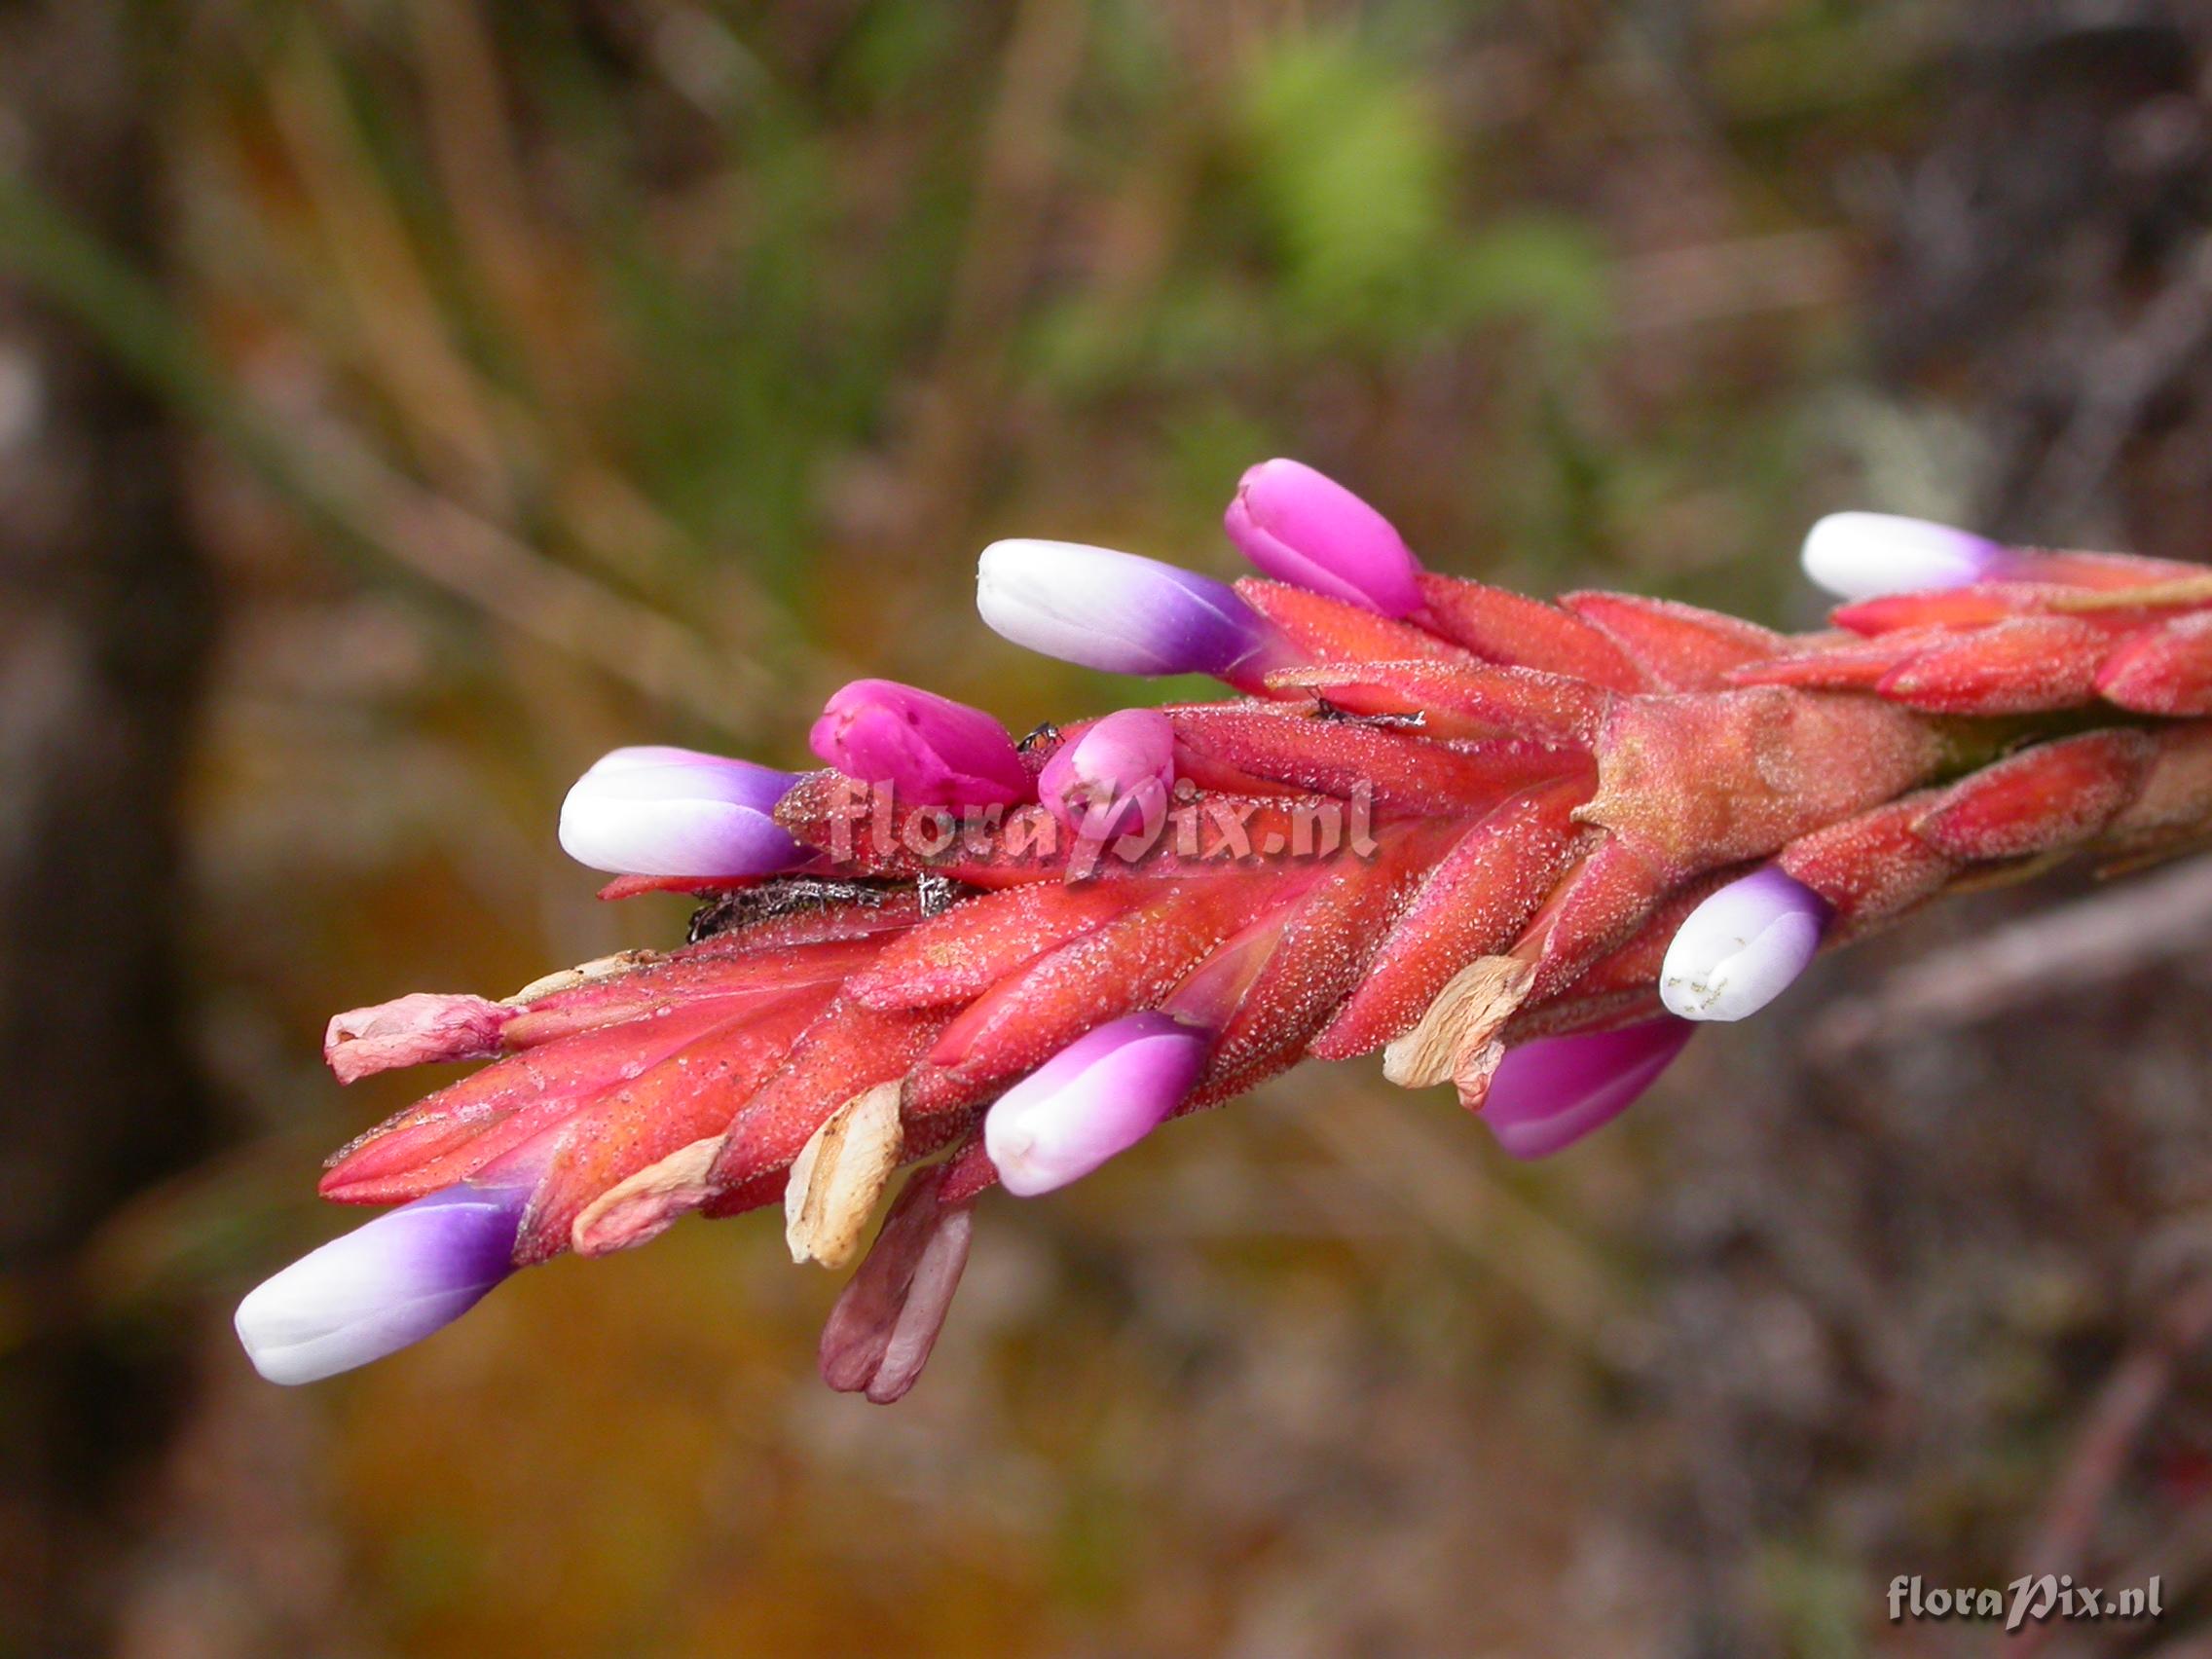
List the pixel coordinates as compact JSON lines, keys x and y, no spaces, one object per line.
{"x":1743,"y":948}
{"x":1549,"y":1093}
{"x":656,"y":811}
{"x":409,"y":1272}
{"x":1096,"y":1097}
{"x":1866,"y":555}
{"x":1121,"y":613}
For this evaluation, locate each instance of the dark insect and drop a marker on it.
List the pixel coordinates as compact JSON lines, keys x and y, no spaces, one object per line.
{"x":940,"y":893}
{"x":782,"y":895}
{"x":1337,"y":714}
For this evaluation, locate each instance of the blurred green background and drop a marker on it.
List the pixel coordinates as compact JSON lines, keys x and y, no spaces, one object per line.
{"x":403,"y":401}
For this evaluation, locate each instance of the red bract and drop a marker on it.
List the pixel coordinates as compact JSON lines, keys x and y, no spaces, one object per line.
{"x":1440,"y":834}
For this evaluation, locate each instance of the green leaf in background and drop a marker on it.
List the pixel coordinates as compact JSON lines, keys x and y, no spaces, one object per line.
{"x":1349,"y":163}
{"x":1543,"y":267}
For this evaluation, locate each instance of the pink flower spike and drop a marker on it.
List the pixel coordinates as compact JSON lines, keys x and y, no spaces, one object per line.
{"x":932,"y":750}
{"x":1115,"y":778}
{"x":1303,"y":527}
{"x":658,"y":811}
{"x":379,"y":1288}
{"x":417,"y":1030}
{"x":1549,"y":1093}
{"x":1098,"y":1097}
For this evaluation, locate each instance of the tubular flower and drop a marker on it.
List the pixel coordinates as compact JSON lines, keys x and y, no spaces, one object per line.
{"x":1491,"y":839}
{"x":1743,"y":948}
{"x":929,"y":749}
{"x":1119,"y":613}
{"x":1113,"y":778}
{"x":1551,"y":1092}
{"x":1870,"y":555}
{"x":1309,"y":531}
{"x":1097,"y":1096}
{"x":655,"y":811}
{"x":382,"y":1286}
{"x":1864,"y":555}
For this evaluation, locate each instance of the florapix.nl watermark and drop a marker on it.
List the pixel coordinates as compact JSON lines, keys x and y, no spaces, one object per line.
{"x":2031,"y":1598}
{"x":1181,"y":831}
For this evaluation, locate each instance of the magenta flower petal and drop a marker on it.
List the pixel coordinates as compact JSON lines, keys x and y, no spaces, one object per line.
{"x":376,"y":1290}
{"x":1098,"y":1097}
{"x":1302,"y":527}
{"x":658,"y":811}
{"x":929,"y":749}
{"x":1549,"y":1093}
{"x":1121,"y":614}
{"x":1113,"y":779}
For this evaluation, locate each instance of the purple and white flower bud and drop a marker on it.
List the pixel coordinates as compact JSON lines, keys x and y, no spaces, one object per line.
{"x":1302,"y":527}
{"x":929,"y":749}
{"x":1743,"y":948}
{"x":381,"y":1288}
{"x":1866,"y":555}
{"x":1121,"y":613}
{"x":1098,"y":1097}
{"x":1114,"y":779}
{"x":658,"y":811}
{"x":1547,"y":1094}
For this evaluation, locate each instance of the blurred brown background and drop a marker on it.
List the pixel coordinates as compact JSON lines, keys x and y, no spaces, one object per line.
{"x":402,"y":401}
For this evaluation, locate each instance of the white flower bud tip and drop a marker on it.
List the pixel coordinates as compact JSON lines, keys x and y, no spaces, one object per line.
{"x":1742,"y":947}
{"x":1865,"y":555}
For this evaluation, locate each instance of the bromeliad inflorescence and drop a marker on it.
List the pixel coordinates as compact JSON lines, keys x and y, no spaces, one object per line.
{"x":1516,"y":846}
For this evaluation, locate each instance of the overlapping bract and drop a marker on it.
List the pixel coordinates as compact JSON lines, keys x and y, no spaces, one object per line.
{"x":1442,"y":834}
